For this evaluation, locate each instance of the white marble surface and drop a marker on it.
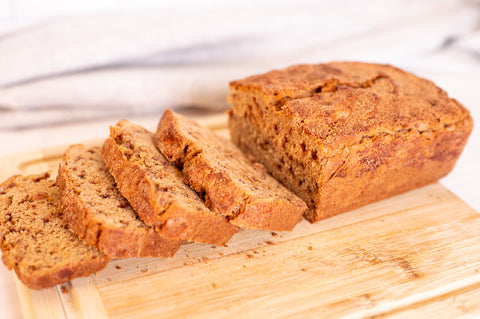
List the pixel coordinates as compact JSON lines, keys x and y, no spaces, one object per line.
{"x":96,"y":78}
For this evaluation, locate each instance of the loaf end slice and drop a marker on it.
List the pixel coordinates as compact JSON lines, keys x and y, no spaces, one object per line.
{"x":345,"y":134}
{"x":156,"y":190}
{"x":35,"y":240}
{"x":95,"y":210}
{"x":230,"y":182}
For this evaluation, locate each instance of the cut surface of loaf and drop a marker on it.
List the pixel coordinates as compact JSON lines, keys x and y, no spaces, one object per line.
{"x":344,"y":134}
{"x":231,"y":183}
{"x":155,"y":188}
{"x":35,"y":240}
{"x":95,"y":210}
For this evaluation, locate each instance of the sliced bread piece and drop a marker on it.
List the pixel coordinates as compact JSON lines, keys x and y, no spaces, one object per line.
{"x":35,"y":240}
{"x":155,"y":188}
{"x":95,"y":210}
{"x":233,"y":185}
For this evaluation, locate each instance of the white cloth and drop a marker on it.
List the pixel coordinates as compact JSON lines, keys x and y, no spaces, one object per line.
{"x":87,"y":67}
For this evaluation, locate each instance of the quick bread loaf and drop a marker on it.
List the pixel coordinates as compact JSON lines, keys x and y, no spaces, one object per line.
{"x":34,"y":238}
{"x":338,"y":135}
{"x":230,"y":183}
{"x":155,"y":188}
{"x":95,"y":210}
{"x":345,"y":134}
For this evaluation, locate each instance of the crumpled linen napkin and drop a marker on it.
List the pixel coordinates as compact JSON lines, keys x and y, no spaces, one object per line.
{"x":138,"y":63}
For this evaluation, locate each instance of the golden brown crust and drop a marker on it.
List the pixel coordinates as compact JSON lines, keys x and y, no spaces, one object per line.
{"x":96,"y":211}
{"x":155,"y":189}
{"x":232,"y":184}
{"x":341,"y":102}
{"x":35,"y":241}
{"x":344,"y":134}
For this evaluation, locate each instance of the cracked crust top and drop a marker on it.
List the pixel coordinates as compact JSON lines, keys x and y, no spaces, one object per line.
{"x":344,"y":134}
{"x":341,"y":102}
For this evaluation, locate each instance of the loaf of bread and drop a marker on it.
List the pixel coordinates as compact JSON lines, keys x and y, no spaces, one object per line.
{"x":95,"y":210}
{"x":342,"y":135}
{"x":34,"y":238}
{"x":155,"y":188}
{"x":338,"y":135}
{"x":230,"y":183}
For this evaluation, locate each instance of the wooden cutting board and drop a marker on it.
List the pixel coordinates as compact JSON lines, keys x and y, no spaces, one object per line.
{"x":413,"y":255}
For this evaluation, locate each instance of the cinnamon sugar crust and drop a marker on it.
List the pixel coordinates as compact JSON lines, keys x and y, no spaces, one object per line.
{"x":344,"y":134}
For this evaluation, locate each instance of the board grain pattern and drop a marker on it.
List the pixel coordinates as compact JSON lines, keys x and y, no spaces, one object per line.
{"x":413,"y":255}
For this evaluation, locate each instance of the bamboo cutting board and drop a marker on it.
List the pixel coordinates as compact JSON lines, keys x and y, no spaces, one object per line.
{"x":413,"y":255}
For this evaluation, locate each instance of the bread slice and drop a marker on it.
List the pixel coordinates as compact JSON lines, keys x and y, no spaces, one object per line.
{"x":345,"y":134}
{"x":155,"y":188}
{"x":95,"y":210}
{"x":232,"y":184}
{"x":35,"y":240}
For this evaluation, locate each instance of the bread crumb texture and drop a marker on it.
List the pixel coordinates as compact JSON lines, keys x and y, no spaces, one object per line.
{"x":35,"y":240}
{"x":96,"y":211}
{"x":230,"y":182}
{"x":156,"y":190}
